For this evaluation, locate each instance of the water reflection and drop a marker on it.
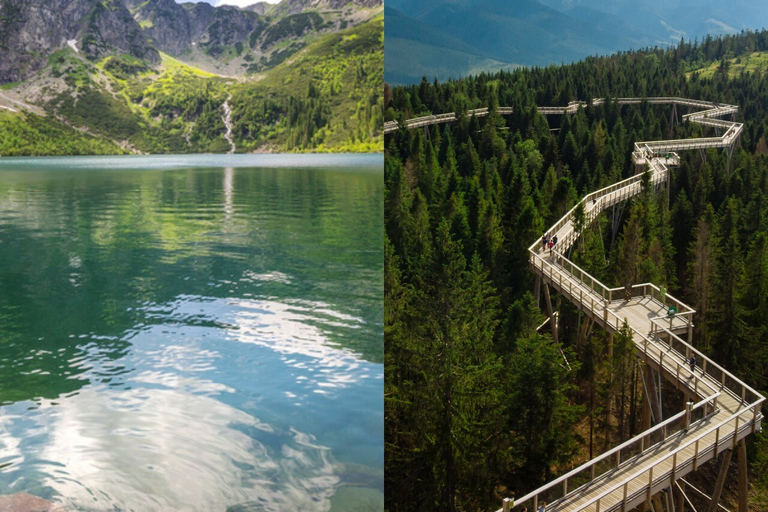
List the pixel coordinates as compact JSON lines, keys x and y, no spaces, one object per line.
{"x":196,"y":339}
{"x":167,"y":449}
{"x":172,"y":424}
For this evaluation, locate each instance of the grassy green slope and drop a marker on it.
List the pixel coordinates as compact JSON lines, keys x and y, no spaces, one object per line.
{"x":27,"y":134}
{"x":748,"y":63}
{"x":327,"y":98}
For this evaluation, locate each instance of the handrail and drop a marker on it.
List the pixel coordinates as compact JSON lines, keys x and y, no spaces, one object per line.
{"x":712,"y":363}
{"x":599,"y":194}
{"x":599,"y":296}
{"x":713,"y":109}
{"x":674,"y":452}
{"x":619,"y":322}
{"x":616,"y":449}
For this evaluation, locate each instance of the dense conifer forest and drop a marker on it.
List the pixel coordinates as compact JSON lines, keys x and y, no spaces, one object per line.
{"x":479,"y":404}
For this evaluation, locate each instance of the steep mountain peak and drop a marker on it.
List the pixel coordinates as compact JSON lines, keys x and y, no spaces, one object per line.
{"x":109,"y":28}
{"x":32,"y":29}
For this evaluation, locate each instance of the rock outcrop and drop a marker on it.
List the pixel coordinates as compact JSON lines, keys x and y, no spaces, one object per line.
{"x":175,"y":28}
{"x":30,"y":30}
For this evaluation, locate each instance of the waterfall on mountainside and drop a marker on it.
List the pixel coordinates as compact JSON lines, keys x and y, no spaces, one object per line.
{"x":227,"y":118}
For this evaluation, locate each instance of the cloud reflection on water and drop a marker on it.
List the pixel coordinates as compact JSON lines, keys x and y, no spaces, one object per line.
{"x":165,"y":425}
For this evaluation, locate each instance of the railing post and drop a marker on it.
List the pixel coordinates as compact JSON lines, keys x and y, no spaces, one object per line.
{"x":688,"y":409}
{"x":507,"y":504}
{"x":754,"y":420}
{"x":695,"y":455}
{"x":674,"y":469}
{"x":650,"y":482}
{"x":717,"y":440}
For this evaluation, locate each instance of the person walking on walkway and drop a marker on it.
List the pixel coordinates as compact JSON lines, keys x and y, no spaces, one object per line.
{"x":692,"y":362}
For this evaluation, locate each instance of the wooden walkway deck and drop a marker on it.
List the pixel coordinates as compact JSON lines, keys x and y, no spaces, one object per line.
{"x":723,"y":409}
{"x":727,"y":409}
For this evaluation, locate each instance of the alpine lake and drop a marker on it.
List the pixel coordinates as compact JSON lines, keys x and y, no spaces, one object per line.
{"x":196,"y":333}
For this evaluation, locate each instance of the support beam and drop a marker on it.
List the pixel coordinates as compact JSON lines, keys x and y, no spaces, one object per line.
{"x":679,"y":499}
{"x":647,"y":410}
{"x":551,"y":312}
{"x":743,"y":485}
{"x":653,"y":394}
{"x":726,"y":462}
{"x":537,"y":290}
{"x":683,"y":494}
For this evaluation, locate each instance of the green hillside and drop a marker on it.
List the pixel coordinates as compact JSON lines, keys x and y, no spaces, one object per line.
{"x":327,"y":97}
{"x":755,"y":62}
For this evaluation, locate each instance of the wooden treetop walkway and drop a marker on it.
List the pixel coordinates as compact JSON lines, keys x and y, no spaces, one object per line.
{"x":726,"y":409}
{"x":723,"y":409}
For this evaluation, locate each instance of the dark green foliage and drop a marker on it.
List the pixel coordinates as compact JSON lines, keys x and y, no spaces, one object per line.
{"x":290,"y":27}
{"x":482,"y":190}
{"x":124,"y":67}
{"x":99,"y":111}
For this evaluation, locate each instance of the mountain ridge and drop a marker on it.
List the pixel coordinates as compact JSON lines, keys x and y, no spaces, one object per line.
{"x":224,"y":39}
{"x":546,"y":32}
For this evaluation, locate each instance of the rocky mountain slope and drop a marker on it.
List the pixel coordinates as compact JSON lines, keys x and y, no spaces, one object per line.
{"x":225,"y":40}
{"x":31,"y":29}
{"x":328,"y":96}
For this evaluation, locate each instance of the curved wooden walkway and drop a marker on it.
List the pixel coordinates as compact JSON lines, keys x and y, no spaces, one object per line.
{"x":722,"y":409}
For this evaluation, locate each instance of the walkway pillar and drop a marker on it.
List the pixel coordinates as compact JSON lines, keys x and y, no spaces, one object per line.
{"x":537,"y":290}
{"x":680,"y":499}
{"x":743,"y":485}
{"x":720,"y":480}
{"x":646,"y":418}
{"x":551,"y":312}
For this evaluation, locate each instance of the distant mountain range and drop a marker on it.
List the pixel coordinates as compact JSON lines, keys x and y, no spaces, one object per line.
{"x":454,"y":38}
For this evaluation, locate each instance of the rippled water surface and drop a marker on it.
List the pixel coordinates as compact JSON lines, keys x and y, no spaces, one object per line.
{"x":192,"y":333}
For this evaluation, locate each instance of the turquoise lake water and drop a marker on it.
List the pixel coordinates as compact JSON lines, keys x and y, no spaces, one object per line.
{"x":199,"y":333}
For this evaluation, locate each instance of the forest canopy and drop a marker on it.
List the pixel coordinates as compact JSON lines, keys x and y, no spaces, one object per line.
{"x":480,"y":404}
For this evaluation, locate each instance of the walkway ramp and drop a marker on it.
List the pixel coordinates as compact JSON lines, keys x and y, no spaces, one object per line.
{"x":722,"y":409}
